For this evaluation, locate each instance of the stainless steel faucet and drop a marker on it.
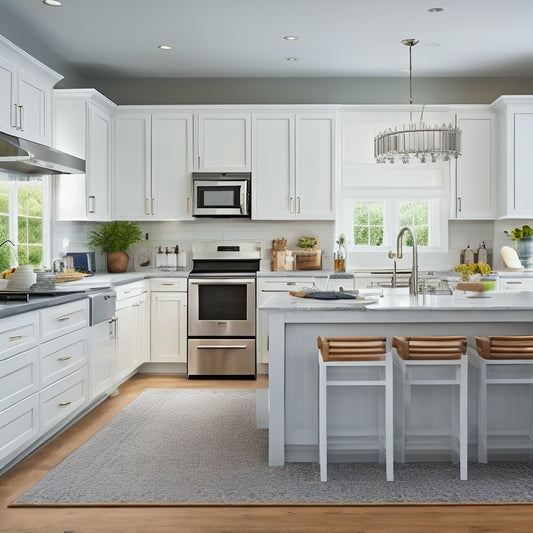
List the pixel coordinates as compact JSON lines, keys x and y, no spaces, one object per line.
{"x":413,"y":282}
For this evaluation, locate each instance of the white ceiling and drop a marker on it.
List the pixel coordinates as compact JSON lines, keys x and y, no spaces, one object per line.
{"x":244,"y":38}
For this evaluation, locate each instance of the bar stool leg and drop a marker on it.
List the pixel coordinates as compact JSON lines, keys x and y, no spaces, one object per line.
{"x":389,"y":421}
{"x":463,"y":417}
{"x":322,"y":422}
{"x":482,"y":414}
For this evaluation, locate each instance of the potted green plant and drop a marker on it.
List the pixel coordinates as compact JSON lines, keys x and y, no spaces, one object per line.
{"x":114,"y":239}
{"x":524,"y":244}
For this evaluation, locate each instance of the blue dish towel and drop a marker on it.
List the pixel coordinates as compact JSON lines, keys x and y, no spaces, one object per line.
{"x":330,"y":295}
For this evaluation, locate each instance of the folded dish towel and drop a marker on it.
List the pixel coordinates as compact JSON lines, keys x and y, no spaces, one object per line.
{"x":324,"y":295}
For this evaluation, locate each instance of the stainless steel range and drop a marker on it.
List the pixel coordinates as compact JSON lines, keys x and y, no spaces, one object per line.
{"x":221,"y":319}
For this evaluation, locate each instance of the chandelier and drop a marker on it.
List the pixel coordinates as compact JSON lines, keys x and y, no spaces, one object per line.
{"x":418,"y":141}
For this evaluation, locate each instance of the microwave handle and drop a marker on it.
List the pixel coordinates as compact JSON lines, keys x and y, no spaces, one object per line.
{"x":242,"y":203}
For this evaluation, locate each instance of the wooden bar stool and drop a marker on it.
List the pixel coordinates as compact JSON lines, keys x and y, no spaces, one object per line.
{"x":431,"y":362}
{"x":356,"y":362}
{"x":506,"y":364}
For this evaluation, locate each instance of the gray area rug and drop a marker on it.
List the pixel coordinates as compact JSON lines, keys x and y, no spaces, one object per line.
{"x":202,"y":447}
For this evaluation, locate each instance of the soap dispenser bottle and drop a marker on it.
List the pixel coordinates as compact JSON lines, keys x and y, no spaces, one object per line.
{"x":482,"y":253}
{"x":469,"y":256}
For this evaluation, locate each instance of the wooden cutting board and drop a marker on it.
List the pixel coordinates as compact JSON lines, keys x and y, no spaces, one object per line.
{"x":69,"y":276}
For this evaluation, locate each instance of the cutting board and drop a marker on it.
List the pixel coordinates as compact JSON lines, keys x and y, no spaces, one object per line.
{"x":69,"y":276}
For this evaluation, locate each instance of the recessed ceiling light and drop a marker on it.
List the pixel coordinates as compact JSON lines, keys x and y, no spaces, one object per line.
{"x":165,"y":47}
{"x":291,"y":58}
{"x":436,"y":10}
{"x":52,"y":3}
{"x":290,"y":38}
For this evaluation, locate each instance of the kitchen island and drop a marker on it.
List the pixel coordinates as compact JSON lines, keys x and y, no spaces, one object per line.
{"x":295,"y":323}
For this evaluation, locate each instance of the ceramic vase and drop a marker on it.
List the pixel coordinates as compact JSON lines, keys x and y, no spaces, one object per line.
{"x":117,"y":262}
{"x":525,"y":251}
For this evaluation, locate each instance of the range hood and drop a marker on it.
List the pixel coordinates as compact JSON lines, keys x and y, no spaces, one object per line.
{"x":20,"y":156}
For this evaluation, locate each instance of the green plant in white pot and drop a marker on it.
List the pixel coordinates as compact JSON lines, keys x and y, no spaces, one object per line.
{"x":114,"y":239}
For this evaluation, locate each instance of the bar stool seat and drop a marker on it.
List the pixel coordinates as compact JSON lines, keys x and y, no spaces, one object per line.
{"x":431,"y":361}
{"x":356,"y":362}
{"x":505,"y":361}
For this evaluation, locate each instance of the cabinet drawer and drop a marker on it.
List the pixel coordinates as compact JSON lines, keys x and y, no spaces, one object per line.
{"x":290,"y":284}
{"x":168,"y":284}
{"x":19,"y":425}
{"x":19,"y":377}
{"x":63,"y":319}
{"x":524,"y":284}
{"x":62,"y":356}
{"x":63,"y":398}
{"x":18,"y":333}
{"x":130,"y":290}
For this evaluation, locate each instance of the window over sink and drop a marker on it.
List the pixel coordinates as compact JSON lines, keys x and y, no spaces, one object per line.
{"x":376,"y":203}
{"x":24,"y":219}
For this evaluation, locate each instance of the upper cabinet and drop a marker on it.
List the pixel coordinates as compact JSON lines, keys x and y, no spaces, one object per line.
{"x":474,"y":172}
{"x":222,"y":142}
{"x":82,"y":127}
{"x":25,"y":94}
{"x":152,"y":165}
{"x":293,"y":172}
{"x":516,"y":139}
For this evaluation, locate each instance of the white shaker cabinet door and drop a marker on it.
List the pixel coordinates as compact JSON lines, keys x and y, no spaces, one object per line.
{"x":475,"y":168}
{"x":223,"y":142}
{"x":315,"y":167}
{"x":273,"y":175}
{"x":172,"y":154}
{"x":132,"y":194}
{"x":169,"y":327}
{"x":8,"y":88}
{"x":35,"y":102}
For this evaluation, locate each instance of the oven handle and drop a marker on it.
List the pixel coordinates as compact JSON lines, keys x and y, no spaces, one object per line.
{"x":223,"y":346}
{"x":222,"y":281}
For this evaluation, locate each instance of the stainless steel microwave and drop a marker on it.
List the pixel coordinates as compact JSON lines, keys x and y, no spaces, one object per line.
{"x":221,"y":194}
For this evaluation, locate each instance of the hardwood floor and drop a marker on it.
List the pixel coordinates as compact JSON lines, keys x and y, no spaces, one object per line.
{"x":286,"y":518}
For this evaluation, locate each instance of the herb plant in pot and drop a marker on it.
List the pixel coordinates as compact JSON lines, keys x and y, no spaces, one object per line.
{"x":114,"y":239}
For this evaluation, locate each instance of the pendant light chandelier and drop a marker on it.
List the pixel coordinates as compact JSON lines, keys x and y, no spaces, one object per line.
{"x":417,"y":141}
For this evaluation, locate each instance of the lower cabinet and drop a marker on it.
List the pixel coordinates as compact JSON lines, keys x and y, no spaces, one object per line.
{"x":133,"y":328}
{"x":168,"y":310}
{"x":63,"y":398}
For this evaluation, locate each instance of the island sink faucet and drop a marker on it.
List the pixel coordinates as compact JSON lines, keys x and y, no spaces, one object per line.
{"x":413,"y":282}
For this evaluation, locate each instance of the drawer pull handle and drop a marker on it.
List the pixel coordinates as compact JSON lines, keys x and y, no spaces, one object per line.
{"x":62,"y":318}
{"x":63,"y":404}
{"x":16,"y":338}
{"x":64,"y":358}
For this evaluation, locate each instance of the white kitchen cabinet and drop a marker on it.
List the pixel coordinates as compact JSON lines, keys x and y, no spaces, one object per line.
{"x":168,"y":310}
{"x":25,"y":94}
{"x":267,"y":287}
{"x":474,"y":172}
{"x":516,"y":284}
{"x":102,"y":354}
{"x":222,"y":142}
{"x":152,"y":166}
{"x":133,"y":329}
{"x":19,"y":377}
{"x":18,"y":333}
{"x":293,"y":166}
{"x":82,"y":127}
{"x":516,"y":138}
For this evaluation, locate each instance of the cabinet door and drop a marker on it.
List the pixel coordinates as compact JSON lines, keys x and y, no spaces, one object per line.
{"x":132,"y":195}
{"x":126,"y":340}
{"x":171,"y":166}
{"x":521,"y":184}
{"x":169,"y":327}
{"x":8,"y":87}
{"x":101,"y":358}
{"x":98,"y":163}
{"x":34,"y":101}
{"x":315,"y":167}
{"x":223,"y":143}
{"x":273,"y":175}
{"x":474,"y":169}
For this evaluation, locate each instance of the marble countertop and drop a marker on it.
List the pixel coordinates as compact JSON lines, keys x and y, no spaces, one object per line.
{"x":401,"y":300}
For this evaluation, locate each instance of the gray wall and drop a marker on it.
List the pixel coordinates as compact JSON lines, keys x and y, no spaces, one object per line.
{"x":165,"y":91}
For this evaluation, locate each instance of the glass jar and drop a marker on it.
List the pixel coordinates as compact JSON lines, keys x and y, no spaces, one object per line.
{"x":339,"y":257}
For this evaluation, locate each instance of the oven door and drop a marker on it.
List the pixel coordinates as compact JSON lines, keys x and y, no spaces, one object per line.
{"x":222,"y":307}
{"x":220,"y":198}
